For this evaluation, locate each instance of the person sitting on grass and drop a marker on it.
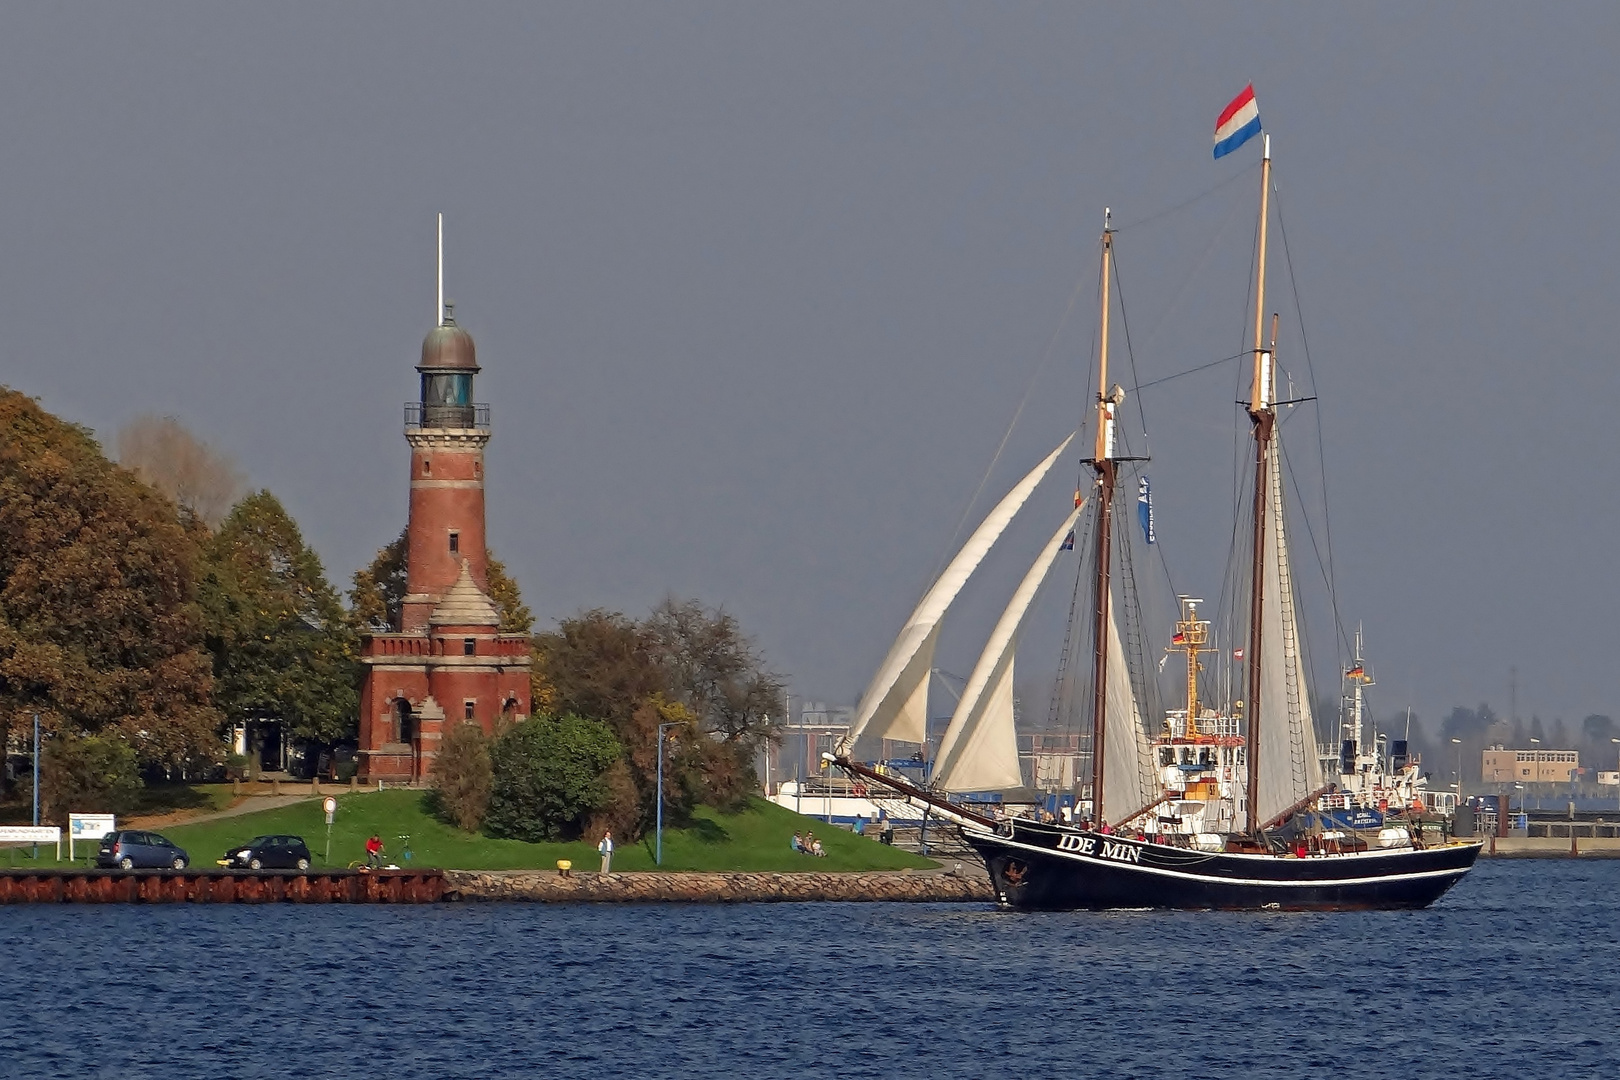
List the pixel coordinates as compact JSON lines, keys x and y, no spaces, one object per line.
{"x":798,"y":845}
{"x":814,"y":846}
{"x":374,"y":850}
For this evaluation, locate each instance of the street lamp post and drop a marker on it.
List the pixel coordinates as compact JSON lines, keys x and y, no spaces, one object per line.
{"x":658,"y":841}
{"x":36,"y":784}
{"x":1617,"y":766}
{"x":1535,"y":777}
{"x":1458,"y":742}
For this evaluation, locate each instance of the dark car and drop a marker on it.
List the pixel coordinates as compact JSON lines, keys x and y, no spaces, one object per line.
{"x":269,"y":853}
{"x":130,"y":850}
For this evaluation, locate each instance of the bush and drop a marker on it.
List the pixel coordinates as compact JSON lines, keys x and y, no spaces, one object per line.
{"x":90,"y":775}
{"x":463,"y":777}
{"x":235,"y":766}
{"x":549,"y":777}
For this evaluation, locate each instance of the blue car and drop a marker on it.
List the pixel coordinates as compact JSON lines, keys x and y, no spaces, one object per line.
{"x":131,"y":850}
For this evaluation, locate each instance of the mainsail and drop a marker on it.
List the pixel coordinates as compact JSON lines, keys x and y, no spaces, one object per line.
{"x":1126,"y":751}
{"x":979,"y":751}
{"x":895,"y":705}
{"x":1289,"y":769}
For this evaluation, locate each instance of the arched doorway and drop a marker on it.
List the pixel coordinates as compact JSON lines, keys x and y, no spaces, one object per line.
{"x":404,"y":722}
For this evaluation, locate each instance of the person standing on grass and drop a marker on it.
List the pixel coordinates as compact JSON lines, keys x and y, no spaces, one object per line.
{"x":374,"y":849}
{"x":605,"y":849}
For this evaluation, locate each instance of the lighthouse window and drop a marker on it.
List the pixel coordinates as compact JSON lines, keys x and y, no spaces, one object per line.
{"x":427,"y":467}
{"x":468,"y":706}
{"x":468,"y":646}
{"x":455,"y":542}
{"x":446,"y":389}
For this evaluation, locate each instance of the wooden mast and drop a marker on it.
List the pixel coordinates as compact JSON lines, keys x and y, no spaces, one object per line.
{"x":1264,"y":418}
{"x":1106,"y":468}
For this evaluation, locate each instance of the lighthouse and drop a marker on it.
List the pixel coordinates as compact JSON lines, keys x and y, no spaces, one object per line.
{"x":447,"y":662}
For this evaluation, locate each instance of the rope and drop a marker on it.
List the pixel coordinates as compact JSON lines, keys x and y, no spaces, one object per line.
{"x":1029,"y":390}
{"x":1321,"y":451}
{"x":1151,"y":218}
{"x":1189,"y":371}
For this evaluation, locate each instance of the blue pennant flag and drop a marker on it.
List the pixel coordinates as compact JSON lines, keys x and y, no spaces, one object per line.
{"x":1068,"y":542}
{"x":1144,"y":509}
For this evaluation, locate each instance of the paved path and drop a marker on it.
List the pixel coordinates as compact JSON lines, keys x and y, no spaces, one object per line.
{"x":247,"y":805}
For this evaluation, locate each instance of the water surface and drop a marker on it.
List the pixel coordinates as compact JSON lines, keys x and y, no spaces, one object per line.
{"x":1515,"y":974}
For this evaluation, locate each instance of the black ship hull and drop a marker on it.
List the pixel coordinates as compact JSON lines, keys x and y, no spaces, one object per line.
{"x":1039,"y":866}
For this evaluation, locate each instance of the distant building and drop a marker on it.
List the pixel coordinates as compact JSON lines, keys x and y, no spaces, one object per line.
{"x":1503,"y":766}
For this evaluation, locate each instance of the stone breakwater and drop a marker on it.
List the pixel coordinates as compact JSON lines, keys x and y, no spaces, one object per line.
{"x":705,"y":888}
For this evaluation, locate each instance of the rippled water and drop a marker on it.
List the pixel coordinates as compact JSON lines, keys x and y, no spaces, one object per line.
{"x":1515,"y":973}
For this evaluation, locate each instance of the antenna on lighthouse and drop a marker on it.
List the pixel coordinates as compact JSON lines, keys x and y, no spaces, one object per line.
{"x":438,"y":314}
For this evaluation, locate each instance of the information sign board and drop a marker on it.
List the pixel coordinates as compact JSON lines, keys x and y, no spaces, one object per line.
{"x":89,"y":827}
{"x":32,"y":834}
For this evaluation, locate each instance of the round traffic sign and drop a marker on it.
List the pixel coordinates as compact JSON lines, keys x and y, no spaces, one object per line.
{"x":330,"y":805}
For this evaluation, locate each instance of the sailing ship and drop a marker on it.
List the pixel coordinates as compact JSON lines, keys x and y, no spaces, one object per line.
{"x":1225,"y":808}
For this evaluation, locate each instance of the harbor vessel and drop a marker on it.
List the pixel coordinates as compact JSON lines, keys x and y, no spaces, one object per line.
{"x":1225,"y":807}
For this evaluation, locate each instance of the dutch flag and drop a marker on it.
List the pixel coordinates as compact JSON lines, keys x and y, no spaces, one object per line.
{"x":1238,"y":123}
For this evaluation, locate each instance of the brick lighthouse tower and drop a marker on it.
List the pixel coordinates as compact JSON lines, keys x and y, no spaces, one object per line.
{"x":447,"y":662}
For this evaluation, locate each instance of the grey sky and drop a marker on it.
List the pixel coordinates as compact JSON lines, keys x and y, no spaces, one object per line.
{"x":757,"y":288}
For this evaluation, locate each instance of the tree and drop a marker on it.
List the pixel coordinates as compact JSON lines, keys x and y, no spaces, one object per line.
{"x":279,"y":637}
{"x":684,"y":665}
{"x":549,"y":777}
{"x":99,"y":629}
{"x":516,"y":618}
{"x":463,"y":776}
{"x":712,"y":668}
{"x":198,"y":478}
{"x":87,"y":775}
{"x":378,"y":593}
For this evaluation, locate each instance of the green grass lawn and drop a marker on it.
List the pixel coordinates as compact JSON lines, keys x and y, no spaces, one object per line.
{"x":755,"y":839}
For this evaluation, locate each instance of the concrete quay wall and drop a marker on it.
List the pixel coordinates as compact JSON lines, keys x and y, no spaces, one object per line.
{"x":1552,"y":847}
{"x":548,"y":886}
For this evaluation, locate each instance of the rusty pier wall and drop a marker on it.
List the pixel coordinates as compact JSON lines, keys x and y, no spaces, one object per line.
{"x":221,"y":887}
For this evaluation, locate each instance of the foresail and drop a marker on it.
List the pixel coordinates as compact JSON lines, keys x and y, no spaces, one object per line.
{"x":988,"y":753}
{"x":902,"y":713}
{"x":1289,"y":770}
{"x":979,"y":751}
{"x":1125,"y":747}
{"x":895,"y":703}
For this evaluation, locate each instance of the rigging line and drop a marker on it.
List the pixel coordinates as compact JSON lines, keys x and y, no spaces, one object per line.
{"x":1139,"y":222}
{"x":1189,"y":371}
{"x":1321,"y":452}
{"x":1130,"y":354}
{"x":1299,"y":498}
{"x":1193,"y":270}
{"x":1233,"y":577}
{"x":1029,"y":390}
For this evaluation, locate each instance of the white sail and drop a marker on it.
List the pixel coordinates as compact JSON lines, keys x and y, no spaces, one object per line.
{"x":1289,"y":769}
{"x":895,"y":704}
{"x":1126,"y":753}
{"x":979,"y":751}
